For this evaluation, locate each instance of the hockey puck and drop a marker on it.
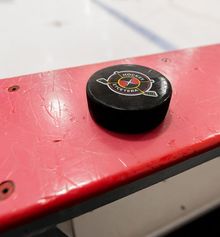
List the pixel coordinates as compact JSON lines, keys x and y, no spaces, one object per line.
{"x":128,"y":98}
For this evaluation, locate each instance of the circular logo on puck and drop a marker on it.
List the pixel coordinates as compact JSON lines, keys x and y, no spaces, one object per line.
{"x":129,"y":83}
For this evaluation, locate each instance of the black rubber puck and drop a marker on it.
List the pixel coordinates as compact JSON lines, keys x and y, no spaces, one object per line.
{"x":128,"y":98}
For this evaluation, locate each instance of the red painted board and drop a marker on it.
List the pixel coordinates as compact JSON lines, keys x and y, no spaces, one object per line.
{"x":57,"y":156}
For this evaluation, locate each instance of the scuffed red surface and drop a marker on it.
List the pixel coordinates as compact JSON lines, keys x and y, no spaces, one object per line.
{"x":57,"y":156}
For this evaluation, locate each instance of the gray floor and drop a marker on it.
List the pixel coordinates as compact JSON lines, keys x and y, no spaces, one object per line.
{"x":39,"y":35}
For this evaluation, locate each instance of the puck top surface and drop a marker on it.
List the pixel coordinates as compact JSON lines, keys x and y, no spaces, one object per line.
{"x":130,"y":89}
